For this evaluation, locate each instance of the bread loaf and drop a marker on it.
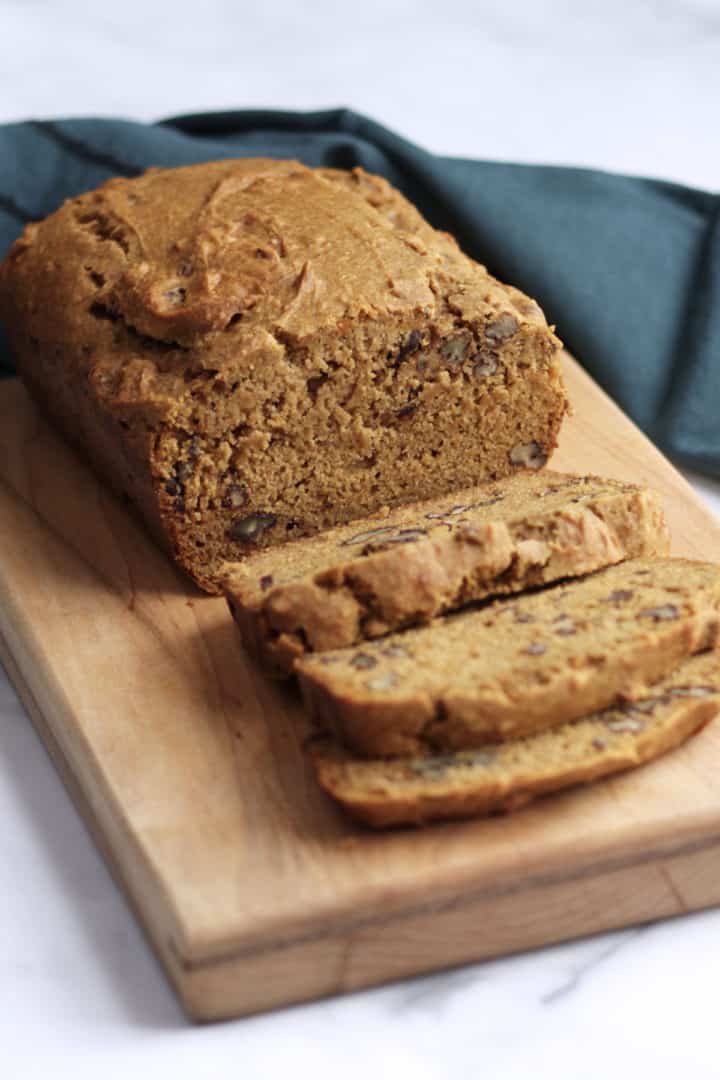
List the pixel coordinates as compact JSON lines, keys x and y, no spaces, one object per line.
{"x":252,"y":351}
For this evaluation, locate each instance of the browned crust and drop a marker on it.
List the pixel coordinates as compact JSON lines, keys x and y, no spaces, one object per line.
{"x":414,"y":791}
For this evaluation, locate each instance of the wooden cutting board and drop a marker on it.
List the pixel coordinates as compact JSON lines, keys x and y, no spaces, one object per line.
{"x":253,"y":887}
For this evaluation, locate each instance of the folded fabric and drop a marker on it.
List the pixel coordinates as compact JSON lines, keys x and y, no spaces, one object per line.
{"x":628,"y":269}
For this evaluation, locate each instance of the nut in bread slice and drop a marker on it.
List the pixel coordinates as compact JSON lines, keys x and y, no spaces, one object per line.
{"x":505,"y":776}
{"x":373,"y":576}
{"x":517,"y":666}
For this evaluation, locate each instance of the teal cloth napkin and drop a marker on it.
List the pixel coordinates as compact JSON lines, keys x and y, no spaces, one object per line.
{"x":628,"y":268}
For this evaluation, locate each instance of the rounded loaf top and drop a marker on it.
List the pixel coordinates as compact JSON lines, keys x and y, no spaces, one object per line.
{"x":180,"y":254}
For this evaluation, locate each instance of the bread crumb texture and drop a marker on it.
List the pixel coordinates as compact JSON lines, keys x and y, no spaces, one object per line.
{"x":404,"y":566}
{"x":505,"y":776}
{"x":253,"y":351}
{"x":517,"y":666}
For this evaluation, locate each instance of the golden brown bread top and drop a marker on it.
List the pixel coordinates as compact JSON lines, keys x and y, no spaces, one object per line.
{"x":270,"y":242}
{"x":206,"y":266}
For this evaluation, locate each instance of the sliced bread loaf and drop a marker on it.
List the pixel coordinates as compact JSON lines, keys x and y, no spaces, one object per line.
{"x":504,"y":776}
{"x":384,"y":572}
{"x":252,"y":351}
{"x":513,"y":668}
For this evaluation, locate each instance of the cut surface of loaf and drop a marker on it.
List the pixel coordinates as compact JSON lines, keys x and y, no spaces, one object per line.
{"x":516,"y":666}
{"x":252,"y":351}
{"x":378,"y":574}
{"x":505,"y":776}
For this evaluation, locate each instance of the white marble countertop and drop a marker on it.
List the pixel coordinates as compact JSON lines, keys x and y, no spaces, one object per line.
{"x":631,"y":87}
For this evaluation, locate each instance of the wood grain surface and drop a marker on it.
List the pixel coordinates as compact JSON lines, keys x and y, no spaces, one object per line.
{"x":253,"y":887}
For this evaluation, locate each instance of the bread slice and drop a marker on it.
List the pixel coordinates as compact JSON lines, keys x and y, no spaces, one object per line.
{"x":391,"y":570}
{"x":253,"y":351}
{"x":513,"y":668}
{"x":505,"y":776}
